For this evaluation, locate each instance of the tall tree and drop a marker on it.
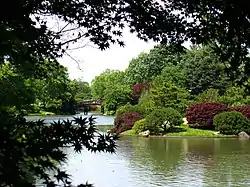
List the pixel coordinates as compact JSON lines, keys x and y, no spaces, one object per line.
{"x":81,"y":90}
{"x":106,"y":79}
{"x":204,"y":70}
{"x":149,"y":65}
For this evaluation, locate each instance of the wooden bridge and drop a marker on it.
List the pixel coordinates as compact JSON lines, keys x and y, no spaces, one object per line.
{"x":84,"y":106}
{"x":90,"y":102}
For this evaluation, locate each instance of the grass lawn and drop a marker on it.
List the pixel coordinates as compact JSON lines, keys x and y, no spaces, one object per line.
{"x":184,"y":130}
{"x":129,"y":132}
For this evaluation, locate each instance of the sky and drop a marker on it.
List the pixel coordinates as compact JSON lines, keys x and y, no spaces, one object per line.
{"x":93,"y":61}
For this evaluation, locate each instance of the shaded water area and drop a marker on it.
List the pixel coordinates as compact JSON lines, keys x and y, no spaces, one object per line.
{"x":173,"y":162}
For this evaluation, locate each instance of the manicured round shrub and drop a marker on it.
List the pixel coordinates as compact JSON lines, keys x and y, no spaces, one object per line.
{"x":140,"y":126}
{"x":245,"y":110}
{"x":162,"y":118}
{"x":231,"y":123}
{"x":201,"y":115}
{"x":125,"y":122}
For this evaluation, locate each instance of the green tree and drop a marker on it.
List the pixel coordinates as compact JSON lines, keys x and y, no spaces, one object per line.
{"x":204,"y":70}
{"x":81,"y":90}
{"x":174,"y":74}
{"x":14,"y":91}
{"x":235,"y":96}
{"x":210,"y":95}
{"x":165,"y":94}
{"x":106,"y":79}
{"x":149,"y":65}
{"x":54,"y":90}
{"x":116,"y":96}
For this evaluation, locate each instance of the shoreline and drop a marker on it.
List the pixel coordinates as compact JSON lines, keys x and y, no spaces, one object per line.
{"x":198,"y":137}
{"x":183,"y":131}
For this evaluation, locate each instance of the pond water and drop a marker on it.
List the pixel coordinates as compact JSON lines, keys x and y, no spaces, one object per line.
{"x":151,"y":162}
{"x":100,"y":119}
{"x":173,"y":162}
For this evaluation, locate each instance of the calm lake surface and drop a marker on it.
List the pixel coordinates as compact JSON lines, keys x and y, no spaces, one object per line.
{"x":154,"y":162}
{"x":100,"y":119}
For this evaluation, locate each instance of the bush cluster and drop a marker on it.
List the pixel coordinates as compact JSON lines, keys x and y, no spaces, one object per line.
{"x":201,"y":115}
{"x":125,"y":122}
{"x":245,"y":110}
{"x":231,"y":123}
{"x":140,"y":126}
{"x":129,"y":108}
{"x":162,"y":119}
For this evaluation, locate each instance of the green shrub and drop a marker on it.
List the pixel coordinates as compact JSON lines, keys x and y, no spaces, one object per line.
{"x":231,"y":123}
{"x":209,"y":95}
{"x":140,"y":126}
{"x":129,"y":108}
{"x":162,"y":119}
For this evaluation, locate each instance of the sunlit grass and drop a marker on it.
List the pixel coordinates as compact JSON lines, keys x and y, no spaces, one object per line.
{"x":185,"y":130}
{"x":129,"y":132}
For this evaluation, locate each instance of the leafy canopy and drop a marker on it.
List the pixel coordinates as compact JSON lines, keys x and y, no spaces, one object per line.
{"x":203,"y":70}
{"x":106,"y":79}
{"x":27,"y":38}
{"x":147,"y":66}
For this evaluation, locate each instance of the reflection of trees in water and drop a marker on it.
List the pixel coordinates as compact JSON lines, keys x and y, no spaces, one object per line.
{"x":152,"y":160}
{"x":224,"y":161}
{"x":231,"y":164}
{"x":200,"y":150}
{"x":214,"y":162}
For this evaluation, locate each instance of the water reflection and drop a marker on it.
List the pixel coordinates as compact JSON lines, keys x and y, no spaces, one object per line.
{"x":143,"y":162}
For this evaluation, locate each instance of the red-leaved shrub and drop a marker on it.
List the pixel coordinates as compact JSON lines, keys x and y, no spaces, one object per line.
{"x":137,"y":89}
{"x":201,"y":115}
{"x":245,"y":110}
{"x":125,"y":122}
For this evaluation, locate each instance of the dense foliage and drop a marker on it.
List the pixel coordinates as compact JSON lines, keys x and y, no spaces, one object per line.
{"x":81,"y":90}
{"x":130,"y":108}
{"x":166,"y":94}
{"x":137,"y":90}
{"x":204,"y":70}
{"x":33,"y":151}
{"x":201,"y":115}
{"x":115,"y":97}
{"x":225,"y":22}
{"x":231,"y":123}
{"x":125,"y":122}
{"x":245,"y":110}
{"x":162,"y":120}
{"x":146,"y":66}
{"x":140,"y":126}
{"x":104,"y":81}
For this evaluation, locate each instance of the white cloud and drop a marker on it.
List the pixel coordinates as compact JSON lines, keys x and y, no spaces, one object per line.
{"x":94,"y":61}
